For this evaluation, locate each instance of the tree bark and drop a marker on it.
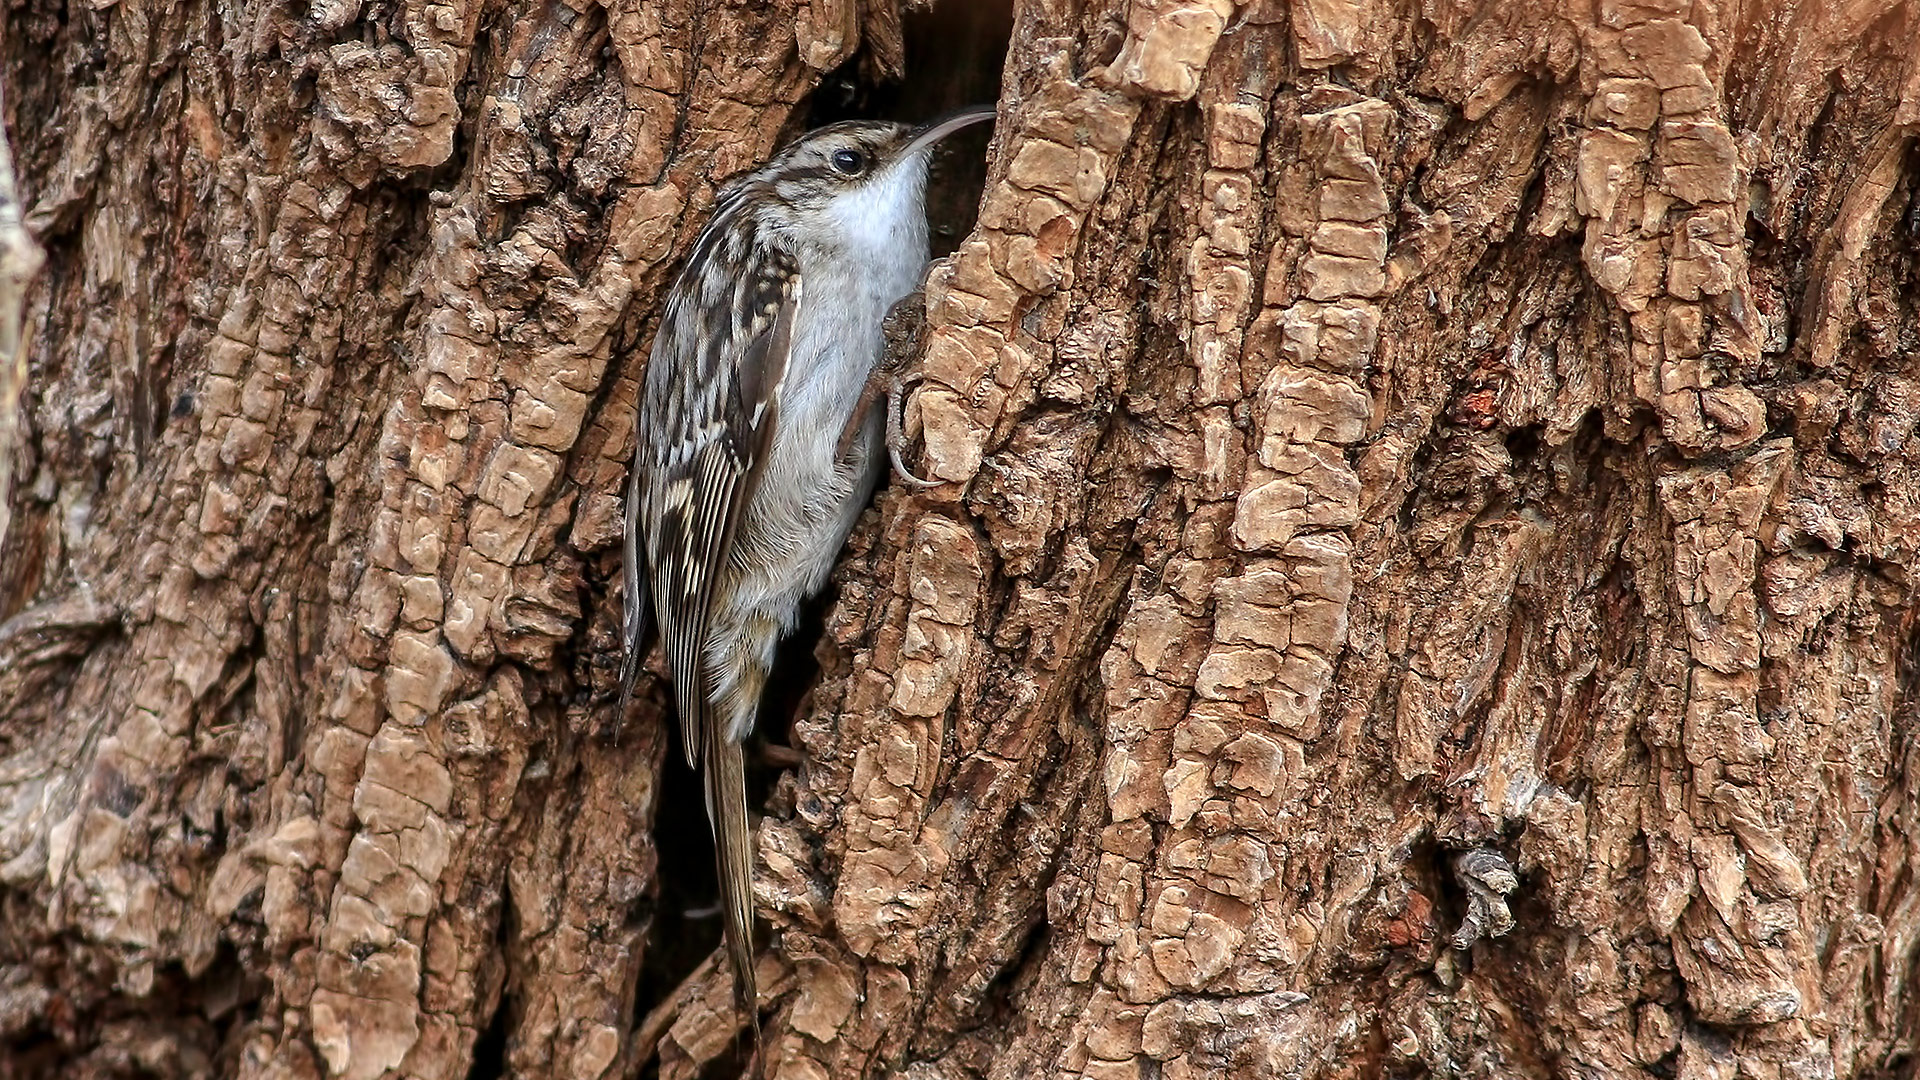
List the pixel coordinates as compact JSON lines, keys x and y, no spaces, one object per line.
{"x":1423,"y":579}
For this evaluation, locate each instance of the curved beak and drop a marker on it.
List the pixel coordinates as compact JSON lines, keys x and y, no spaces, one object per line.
{"x":933,"y":132}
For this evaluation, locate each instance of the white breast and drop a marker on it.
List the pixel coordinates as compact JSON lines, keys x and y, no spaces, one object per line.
{"x":808,"y":499}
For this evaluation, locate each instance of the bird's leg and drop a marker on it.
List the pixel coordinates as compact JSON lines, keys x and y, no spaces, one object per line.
{"x":775,"y":756}
{"x":900,"y":336}
{"x":876,"y":382}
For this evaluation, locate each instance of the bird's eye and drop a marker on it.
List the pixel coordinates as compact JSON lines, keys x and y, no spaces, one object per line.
{"x":849,"y":162}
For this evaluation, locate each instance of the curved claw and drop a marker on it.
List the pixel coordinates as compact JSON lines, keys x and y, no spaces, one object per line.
{"x":896,"y":435}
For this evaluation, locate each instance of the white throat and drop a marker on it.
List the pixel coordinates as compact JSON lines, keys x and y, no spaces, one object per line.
{"x":884,"y":220}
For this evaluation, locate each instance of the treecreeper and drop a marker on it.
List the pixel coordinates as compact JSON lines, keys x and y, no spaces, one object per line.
{"x":757,"y":447}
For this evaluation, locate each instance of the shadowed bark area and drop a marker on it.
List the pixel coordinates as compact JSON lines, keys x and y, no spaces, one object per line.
{"x":1423,"y":582}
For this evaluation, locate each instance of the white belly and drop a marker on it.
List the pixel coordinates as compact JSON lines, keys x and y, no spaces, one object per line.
{"x":808,"y":498}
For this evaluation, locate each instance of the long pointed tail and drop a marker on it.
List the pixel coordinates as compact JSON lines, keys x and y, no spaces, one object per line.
{"x":727,"y":807}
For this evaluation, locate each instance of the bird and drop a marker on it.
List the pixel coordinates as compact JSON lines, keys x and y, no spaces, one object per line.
{"x":756,"y":448}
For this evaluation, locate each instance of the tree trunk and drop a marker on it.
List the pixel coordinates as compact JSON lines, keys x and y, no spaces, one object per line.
{"x":1423,"y":581}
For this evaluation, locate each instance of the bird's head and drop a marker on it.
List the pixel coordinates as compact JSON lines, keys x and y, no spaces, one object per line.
{"x":857,"y":176}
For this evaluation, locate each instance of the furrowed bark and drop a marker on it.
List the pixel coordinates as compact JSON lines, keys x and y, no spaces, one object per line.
{"x":1421,"y":584}
{"x":20,"y":260}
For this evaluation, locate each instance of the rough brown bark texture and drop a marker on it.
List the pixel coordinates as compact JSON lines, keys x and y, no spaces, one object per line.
{"x":1425,"y":583}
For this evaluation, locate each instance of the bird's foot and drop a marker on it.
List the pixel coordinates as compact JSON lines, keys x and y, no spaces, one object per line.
{"x":901,"y":334}
{"x":896,"y":432}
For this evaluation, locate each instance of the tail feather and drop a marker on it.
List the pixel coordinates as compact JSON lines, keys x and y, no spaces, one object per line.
{"x":727,"y":807}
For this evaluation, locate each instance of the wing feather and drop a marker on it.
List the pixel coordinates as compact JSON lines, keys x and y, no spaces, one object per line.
{"x":708,"y":413}
{"x":639,"y":607}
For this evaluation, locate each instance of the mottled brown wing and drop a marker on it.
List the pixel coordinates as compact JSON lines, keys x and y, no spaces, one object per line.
{"x":639,"y":607}
{"x":708,"y":411}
